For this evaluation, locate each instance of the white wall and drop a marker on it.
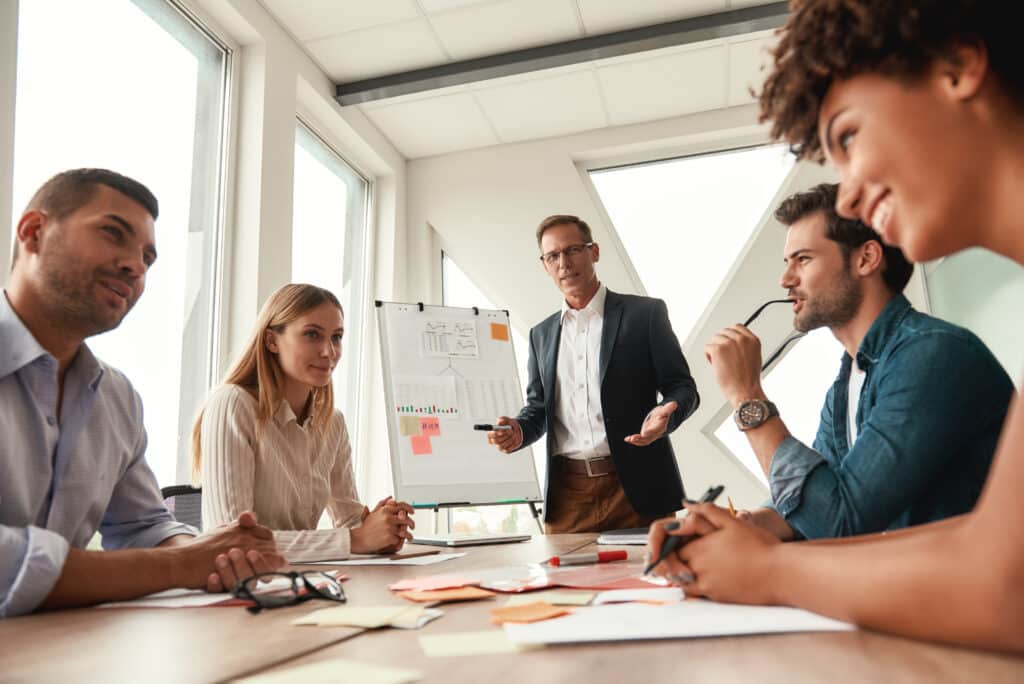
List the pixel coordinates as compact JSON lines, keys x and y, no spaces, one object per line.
{"x":485,"y":205}
{"x":982,"y":291}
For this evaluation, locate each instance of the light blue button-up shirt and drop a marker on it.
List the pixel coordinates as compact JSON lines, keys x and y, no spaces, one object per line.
{"x":62,"y":479}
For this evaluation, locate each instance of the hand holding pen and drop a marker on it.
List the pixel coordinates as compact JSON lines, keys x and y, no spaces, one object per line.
{"x":672,"y":544}
{"x":505,"y":434}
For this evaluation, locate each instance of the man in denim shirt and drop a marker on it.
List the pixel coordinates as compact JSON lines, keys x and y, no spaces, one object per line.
{"x":909,"y":428}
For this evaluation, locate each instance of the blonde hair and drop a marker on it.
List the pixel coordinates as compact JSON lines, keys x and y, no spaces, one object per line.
{"x":258,"y":370}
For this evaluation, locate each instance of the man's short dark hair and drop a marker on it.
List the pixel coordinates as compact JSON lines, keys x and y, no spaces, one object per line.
{"x":69,"y":191}
{"x":561,"y":220}
{"x":847,"y":233}
{"x":828,"y":41}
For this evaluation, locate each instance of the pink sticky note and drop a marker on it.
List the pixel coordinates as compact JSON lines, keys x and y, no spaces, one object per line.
{"x":430,"y":426}
{"x":421,"y":445}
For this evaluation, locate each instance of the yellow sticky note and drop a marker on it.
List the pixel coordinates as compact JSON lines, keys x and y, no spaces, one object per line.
{"x":499,"y":331}
{"x":555,"y":598}
{"x":467,"y":643}
{"x":409,"y":426}
{"x":337,"y":670}
{"x":353,"y":616}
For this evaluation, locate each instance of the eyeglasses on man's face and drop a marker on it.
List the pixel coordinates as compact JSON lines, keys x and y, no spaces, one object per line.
{"x":571,"y":252}
{"x":288,"y":588}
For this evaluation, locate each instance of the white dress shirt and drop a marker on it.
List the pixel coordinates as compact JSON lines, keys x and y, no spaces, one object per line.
{"x":286,"y":473}
{"x":579,"y":425}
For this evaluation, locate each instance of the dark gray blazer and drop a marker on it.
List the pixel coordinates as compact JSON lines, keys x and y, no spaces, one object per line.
{"x":640,"y":357}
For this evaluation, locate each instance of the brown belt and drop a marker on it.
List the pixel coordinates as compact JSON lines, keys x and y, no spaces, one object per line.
{"x":591,"y":467}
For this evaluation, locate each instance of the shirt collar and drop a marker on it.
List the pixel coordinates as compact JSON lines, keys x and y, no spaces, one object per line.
{"x":594,"y":306}
{"x":881,"y":330}
{"x":19,"y":348}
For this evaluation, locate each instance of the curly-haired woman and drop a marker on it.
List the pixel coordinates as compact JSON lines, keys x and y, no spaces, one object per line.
{"x":919,"y":105}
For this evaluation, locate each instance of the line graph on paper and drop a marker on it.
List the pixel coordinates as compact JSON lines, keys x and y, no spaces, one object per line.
{"x":450,"y":339}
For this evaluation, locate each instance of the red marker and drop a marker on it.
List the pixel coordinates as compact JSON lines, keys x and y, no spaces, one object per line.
{"x":585,"y":558}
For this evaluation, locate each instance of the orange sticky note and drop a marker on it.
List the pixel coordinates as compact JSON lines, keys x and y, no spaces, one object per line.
{"x":499,"y":331}
{"x":430,"y":426}
{"x":460,"y":594}
{"x":431,"y":582}
{"x":528,"y":612}
{"x":421,"y":445}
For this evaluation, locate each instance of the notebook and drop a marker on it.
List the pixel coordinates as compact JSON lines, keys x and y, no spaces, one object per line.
{"x":633,"y":536}
{"x":469,"y":539}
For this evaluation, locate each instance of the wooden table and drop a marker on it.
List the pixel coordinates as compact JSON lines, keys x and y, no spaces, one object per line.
{"x":215,"y":644}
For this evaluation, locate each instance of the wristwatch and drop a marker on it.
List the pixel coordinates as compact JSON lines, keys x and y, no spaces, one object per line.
{"x":753,"y":413}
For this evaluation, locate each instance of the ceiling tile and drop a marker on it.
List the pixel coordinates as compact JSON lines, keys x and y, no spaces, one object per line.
{"x":378,"y":51}
{"x":435,"y":125}
{"x":310,"y":19}
{"x":681,"y":83}
{"x":434,"y":6}
{"x":498,"y":27}
{"x":544,"y":107}
{"x":747,"y":62}
{"x":606,"y":16}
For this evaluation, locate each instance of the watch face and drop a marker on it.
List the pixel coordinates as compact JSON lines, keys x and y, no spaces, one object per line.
{"x":752,"y":413}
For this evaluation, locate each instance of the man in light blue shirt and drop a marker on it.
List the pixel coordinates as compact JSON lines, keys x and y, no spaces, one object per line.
{"x":72,"y":454}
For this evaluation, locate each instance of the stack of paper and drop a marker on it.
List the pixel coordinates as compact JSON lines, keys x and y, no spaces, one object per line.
{"x":635,"y":536}
{"x":631,"y":621}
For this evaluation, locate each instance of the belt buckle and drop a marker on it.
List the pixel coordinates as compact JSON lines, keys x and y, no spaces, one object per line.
{"x":590,"y":472}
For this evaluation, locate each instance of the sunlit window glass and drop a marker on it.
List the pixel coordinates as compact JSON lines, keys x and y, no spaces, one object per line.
{"x":328,"y":227}
{"x":138,"y":88}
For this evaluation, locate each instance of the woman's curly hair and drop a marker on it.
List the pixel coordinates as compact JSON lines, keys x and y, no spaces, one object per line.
{"x":828,"y":40}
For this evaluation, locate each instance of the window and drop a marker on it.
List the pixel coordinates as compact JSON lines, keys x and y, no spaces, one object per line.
{"x":329,"y":213}
{"x":683,"y":222}
{"x":458,"y":290}
{"x":138,"y":88}
{"x":797,"y":385}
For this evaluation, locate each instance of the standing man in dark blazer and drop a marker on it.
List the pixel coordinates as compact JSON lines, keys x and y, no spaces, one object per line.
{"x":597,"y":368}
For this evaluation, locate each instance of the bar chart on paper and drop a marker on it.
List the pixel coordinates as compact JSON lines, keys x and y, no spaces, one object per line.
{"x":444,"y":369}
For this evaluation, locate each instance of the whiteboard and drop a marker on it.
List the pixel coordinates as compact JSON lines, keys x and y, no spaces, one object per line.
{"x":446,"y":368}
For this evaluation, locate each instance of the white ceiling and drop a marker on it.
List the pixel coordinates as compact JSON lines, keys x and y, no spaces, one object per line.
{"x":358,"y":39}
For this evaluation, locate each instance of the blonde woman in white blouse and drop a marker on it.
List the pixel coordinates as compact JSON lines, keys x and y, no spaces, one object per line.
{"x":269,"y":439}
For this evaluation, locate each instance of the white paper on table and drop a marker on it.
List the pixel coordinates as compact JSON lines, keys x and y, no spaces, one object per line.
{"x":190,"y":598}
{"x":658,"y":594}
{"x":416,"y":619}
{"x":171,"y":598}
{"x":484,"y":642}
{"x":633,"y":621}
{"x":384,"y":560}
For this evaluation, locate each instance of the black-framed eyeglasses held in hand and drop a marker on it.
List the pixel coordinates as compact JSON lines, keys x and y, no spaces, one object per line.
{"x":785,"y":343}
{"x":302,"y":586}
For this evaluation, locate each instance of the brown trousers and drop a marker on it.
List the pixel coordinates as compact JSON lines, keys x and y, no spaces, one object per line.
{"x":577,"y":503}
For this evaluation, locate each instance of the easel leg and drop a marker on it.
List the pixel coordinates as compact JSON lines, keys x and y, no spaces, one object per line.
{"x":536,"y":516}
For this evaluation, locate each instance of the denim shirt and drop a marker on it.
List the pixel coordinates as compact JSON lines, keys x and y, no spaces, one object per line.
{"x":62,"y":479}
{"x":929,"y":417}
